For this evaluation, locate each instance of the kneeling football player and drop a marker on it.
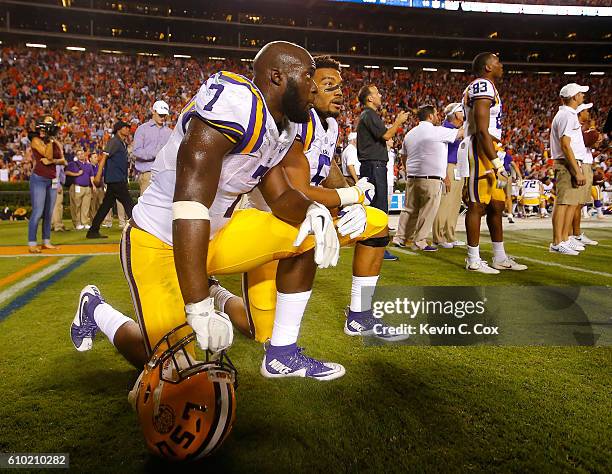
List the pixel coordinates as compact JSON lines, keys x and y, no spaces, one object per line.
{"x":309,"y":165}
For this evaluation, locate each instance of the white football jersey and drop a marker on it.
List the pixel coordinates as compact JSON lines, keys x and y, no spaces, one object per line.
{"x":232,"y":105}
{"x":532,"y":188}
{"x":319,"y":145}
{"x":482,"y":88}
{"x":548,"y":189}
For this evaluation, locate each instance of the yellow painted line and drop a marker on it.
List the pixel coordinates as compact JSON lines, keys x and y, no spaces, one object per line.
{"x":26,"y":270}
{"x":63,"y":250}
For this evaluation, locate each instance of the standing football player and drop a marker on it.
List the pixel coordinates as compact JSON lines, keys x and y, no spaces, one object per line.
{"x":483,"y":129}
{"x":228,"y":140}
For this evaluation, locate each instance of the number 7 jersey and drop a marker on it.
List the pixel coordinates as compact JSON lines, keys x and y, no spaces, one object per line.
{"x":232,"y":105}
{"x":478,"y":89}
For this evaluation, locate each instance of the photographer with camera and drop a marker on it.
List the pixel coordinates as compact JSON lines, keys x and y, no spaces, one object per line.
{"x":47,"y":152}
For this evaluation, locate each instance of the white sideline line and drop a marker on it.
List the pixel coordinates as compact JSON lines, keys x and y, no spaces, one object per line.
{"x":62,"y":254}
{"x":17,"y":287}
{"x":407,"y":252}
{"x":560,"y":265}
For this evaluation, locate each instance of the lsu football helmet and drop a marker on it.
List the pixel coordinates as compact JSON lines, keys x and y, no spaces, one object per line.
{"x":186,"y":408}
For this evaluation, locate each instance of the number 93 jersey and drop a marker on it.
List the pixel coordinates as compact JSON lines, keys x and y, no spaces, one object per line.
{"x":478,"y":89}
{"x":319,"y":145}
{"x":234,"y":106}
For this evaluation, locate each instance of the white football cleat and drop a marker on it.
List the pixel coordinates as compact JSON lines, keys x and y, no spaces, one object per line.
{"x":458,"y":243}
{"x":445,"y":245}
{"x":584,"y":240}
{"x":508,"y":264}
{"x":563,"y":249}
{"x":480,"y":266}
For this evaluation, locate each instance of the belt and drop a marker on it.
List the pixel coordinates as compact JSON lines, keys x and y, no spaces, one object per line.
{"x":425,"y":177}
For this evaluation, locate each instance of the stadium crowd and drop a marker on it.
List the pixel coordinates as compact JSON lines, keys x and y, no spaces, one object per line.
{"x":87,"y":92}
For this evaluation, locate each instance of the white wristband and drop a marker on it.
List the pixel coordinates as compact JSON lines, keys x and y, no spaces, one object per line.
{"x":497,"y":163}
{"x":190,"y":210}
{"x":348,"y":195}
{"x":206,"y":306}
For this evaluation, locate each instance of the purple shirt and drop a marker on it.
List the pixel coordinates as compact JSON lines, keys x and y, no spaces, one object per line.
{"x":148,"y":140}
{"x":88,"y":172}
{"x":452,"y":147}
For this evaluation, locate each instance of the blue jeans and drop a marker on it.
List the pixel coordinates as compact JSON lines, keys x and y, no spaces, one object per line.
{"x":43,"y":201}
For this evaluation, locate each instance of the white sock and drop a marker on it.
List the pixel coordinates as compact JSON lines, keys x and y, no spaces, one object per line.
{"x":473,"y":254}
{"x":357,"y":302}
{"x":499,"y":253}
{"x":290,"y":308}
{"x":221,"y":296}
{"x":109,"y":320}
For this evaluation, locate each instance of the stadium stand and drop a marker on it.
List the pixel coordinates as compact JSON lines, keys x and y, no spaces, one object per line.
{"x":87,"y":92}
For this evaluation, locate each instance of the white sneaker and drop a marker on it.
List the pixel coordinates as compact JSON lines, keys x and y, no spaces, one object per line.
{"x":562,"y":248}
{"x":88,"y":227}
{"x":445,"y":245}
{"x":480,"y":266}
{"x":584,"y":240}
{"x":79,"y":227}
{"x":508,"y":264}
{"x":574,"y":244}
{"x":458,"y":243}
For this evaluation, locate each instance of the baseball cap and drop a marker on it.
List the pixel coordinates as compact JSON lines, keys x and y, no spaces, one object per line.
{"x":571,"y":89}
{"x":161,"y":107}
{"x":582,"y":107}
{"x":452,"y":108}
{"x":119,"y":125}
{"x":352,"y":136}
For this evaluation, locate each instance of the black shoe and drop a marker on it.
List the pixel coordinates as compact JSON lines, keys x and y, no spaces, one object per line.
{"x":390,"y":257}
{"x":95,"y":235}
{"x":399,"y":245}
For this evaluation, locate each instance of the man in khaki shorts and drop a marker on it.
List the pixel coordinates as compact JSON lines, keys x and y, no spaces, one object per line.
{"x":568,"y":151}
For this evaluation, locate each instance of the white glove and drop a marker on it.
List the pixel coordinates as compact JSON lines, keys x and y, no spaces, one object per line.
{"x":361,"y":193}
{"x":353,"y":221}
{"x":319,"y":223}
{"x":213,"y":328}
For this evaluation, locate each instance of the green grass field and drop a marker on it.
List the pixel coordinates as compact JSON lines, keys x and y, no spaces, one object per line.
{"x":398,"y":409}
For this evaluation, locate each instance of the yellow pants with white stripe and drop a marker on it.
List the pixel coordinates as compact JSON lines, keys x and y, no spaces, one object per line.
{"x":482,"y":183}
{"x":259,"y":284}
{"x":250,"y":239}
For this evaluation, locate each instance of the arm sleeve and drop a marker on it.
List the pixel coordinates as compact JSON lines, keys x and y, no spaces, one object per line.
{"x":479,"y":89}
{"x":375,"y":125}
{"x":447,"y":135}
{"x":139,"y":144}
{"x":110,"y":147}
{"x":232,"y":105}
{"x":565,"y":126}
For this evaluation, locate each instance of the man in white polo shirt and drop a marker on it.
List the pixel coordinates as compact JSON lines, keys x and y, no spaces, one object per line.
{"x":567,"y":149}
{"x":424,"y":153}
{"x":584,"y":118}
{"x":350,"y":162}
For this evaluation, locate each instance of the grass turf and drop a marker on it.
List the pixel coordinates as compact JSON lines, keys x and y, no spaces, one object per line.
{"x":398,"y":408}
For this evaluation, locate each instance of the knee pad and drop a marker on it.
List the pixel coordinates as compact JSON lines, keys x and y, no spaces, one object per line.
{"x":375,"y":241}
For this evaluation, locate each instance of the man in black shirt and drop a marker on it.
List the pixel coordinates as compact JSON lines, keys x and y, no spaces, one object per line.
{"x":372,"y":136}
{"x":115,"y":165}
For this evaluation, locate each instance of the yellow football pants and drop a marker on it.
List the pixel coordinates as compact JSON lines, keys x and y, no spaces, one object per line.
{"x":249,"y":240}
{"x":259,"y":284}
